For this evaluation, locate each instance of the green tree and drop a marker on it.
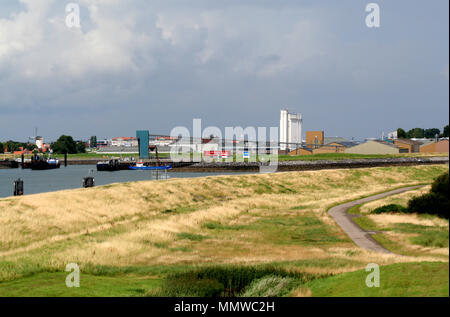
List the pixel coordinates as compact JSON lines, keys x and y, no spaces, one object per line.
{"x":14,"y":146}
{"x":431,"y":133}
{"x":31,"y":147}
{"x":445,"y":132}
{"x":65,"y":144}
{"x":2,"y":148}
{"x":93,"y":142}
{"x":81,"y":147}
{"x":415,"y":133}
{"x":401,"y":134}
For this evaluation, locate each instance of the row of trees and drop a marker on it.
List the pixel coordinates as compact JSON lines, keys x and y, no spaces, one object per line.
{"x":12,"y":146}
{"x":64,"y":144}
{"x":422,"y":133}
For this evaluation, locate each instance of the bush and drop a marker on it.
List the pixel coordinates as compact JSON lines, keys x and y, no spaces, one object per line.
{"x":440,"y":185}
{"x":436,"y":202}
{"x":389,"y":208}
{"x":270,"y":286}
{"x":225,"y":281}
{"x":430,"y":203}
{"x":190,"y":286}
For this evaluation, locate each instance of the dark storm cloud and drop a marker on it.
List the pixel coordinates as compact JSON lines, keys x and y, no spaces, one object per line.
{"x":158,"y":64}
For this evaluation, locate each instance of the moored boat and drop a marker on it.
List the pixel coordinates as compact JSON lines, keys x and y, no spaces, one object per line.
{"x":44,"y":164}
{"x":141,"y":166}
{"x":109,"y":166}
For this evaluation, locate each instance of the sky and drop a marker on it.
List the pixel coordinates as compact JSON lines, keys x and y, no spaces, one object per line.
{"x":155,"y":65}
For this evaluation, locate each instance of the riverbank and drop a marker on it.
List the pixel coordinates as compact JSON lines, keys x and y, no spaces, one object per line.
{"x":152,"y":229}
{"x":287,"y":164}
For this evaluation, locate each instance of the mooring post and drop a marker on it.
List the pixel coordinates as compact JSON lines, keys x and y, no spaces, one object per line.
{"x":88,"y":181}
{"x":18,"y":187}
{"x":23,"y":160}
{"x":65,"y":159}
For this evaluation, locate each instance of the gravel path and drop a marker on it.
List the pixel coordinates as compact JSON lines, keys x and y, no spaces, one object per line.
{"x":361,"y":237}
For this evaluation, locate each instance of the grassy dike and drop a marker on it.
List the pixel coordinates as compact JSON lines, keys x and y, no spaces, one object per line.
{"x":132,"y":239}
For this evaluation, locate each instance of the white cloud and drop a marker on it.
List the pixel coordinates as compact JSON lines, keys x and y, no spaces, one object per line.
{"x":198,"y":56}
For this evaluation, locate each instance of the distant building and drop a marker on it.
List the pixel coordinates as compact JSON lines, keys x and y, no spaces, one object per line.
{"x":103,"y":143}
{"x":314,"y":138}
{"x":124,"y":142}
{"x":374,"y":147}
{"x":332,"y":139}
{"x":409,"y":145}
{"x":334,"y":147}
{"x":290,"y":130}
{"x":39,"y":141}
{"x":301,"y":151}
{"x":435,"y":147}
{"x":392,"y":135}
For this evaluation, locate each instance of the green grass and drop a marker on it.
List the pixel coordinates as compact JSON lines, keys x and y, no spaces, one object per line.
{"x":426,"y":236}
{"x":406,"y":279}
{"x":366,"y":223}
{"x":53,"y":285}
{"x":219,"y":226}
{"x":191,"y":236}
{"x":312,"y":157}
{"x":355,"y":210}
{"x":300,"y":230}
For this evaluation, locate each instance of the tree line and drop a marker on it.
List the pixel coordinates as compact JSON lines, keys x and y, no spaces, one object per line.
{"x":64,"y":144}
{"x":420,"y":133}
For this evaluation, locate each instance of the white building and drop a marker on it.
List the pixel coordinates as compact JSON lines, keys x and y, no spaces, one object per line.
{"x":124,"y":141}
{"x":392,"y":135}
{"x":39,"y":141}
{"x":290,"y":130}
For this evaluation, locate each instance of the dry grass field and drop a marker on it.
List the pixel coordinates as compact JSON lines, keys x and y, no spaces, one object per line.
{"x":238,"y":220}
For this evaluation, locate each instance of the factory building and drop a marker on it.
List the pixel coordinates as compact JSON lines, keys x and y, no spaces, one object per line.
{"x":290,"y":130}
{"x":375,"y":147}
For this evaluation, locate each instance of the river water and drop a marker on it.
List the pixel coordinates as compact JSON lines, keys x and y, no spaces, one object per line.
{"x":72,"y":176}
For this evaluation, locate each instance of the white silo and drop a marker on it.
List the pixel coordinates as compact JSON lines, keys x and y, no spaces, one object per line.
{"x":290,"y":130}
{"x":283,"y":129}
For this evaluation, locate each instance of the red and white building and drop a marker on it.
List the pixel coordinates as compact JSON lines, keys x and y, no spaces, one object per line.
{"x":124,"y":142}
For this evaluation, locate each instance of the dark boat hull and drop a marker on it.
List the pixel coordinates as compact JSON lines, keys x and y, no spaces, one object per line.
{"x":110,"y":166}
{"x":43,"y":165}
{"x":9,"y":164}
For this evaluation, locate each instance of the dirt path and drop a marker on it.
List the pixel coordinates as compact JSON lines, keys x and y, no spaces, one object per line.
{"x":361,"y":237}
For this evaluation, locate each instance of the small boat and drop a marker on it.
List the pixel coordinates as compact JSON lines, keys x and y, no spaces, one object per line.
{"x":8,"y":164}
{"x":109,"y":166}
{"x":140,"y":166}
{"x":44,"y":164}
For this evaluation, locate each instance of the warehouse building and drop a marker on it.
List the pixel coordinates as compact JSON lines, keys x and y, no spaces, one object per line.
{"x":409,"y":145}
{"x":435,"y":147}
{"x":375,"y":147}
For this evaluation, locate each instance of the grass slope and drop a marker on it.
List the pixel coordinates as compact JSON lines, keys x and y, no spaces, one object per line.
{"x":53,"y":285}
{"x":396,"y":280}
{"x":148,"y":230}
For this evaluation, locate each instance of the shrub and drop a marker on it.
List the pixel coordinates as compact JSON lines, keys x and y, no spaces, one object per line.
{"x":440,"y":185}
{"x":189,"y":286}
{"x":436,"y":202}
{"x":225,"y":281}
{"x":430,"y":203}
{"x":270,"y":286}
{"x":389,"y":208}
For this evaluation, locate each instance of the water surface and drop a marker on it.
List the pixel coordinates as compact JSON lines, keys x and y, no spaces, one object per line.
{"x":72,"y":176}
